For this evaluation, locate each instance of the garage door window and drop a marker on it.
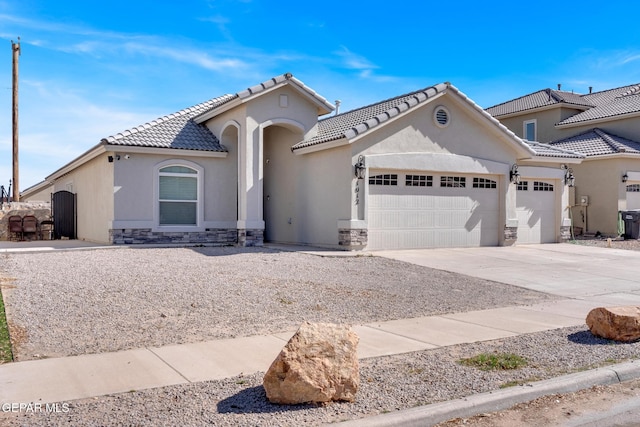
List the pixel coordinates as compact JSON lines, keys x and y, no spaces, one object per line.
{"x":523,"y":186}
{"x":419,"y":181}
{"x":453,"y":181}
{"x":542,"y":186}
{"x":483,"y":183}
{"x":386,"y":179}
{"x":633,"y":188}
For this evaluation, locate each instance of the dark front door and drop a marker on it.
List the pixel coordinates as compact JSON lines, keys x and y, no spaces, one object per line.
{"x":63,"y":208}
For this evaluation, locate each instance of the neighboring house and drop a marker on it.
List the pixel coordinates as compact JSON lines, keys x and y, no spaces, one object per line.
{"x":605,"y":127}
{"x":425,"y":169}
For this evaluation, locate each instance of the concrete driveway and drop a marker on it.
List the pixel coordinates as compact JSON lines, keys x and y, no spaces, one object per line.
{"x":602,"y":275}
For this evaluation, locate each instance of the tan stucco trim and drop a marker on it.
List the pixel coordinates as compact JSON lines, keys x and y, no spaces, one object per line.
{"x":323,"y":146}
{"x":324,"y":107}
{"x":543,"y":108}
{"x":437,"y":162}
{"x":79,"y":161}
{"x":551,"y":160}
{"x":104,"y":148}
{"x":34,"y":189}
{"x":174,"y":152}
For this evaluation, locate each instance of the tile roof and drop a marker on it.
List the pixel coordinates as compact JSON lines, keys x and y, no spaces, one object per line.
{"x":621,"y":105}
{"x":597,"y":142}
{"x":327,"y":107}
{"x":177,"y":130}
{"x":546,"y":150}
{"x":352,"y":123}
{"x":541,"y":98}
{"x":598,"y":105}
{"x":282,"y":78}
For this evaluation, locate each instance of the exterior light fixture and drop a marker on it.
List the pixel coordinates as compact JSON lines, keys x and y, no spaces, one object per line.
{"x":569,"y":179}
{"x":360,"y":168}
{"x":514,"y":175}
{"x":625,"y":177}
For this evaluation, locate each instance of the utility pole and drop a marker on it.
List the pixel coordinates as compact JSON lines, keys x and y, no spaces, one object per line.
{"x":16,"y":53}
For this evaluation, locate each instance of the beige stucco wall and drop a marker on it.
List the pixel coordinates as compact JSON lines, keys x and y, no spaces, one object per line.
{"x":601,"y":181}
{"x":627,"y":128}
{"x":93,"y":184}
{"x":135,"y":201}
{"x":42,"y":195}
{"x":469,"y":144}
{"x":282,"y":108}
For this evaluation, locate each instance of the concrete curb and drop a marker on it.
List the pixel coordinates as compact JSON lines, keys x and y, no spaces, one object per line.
{"x":492,"y":401}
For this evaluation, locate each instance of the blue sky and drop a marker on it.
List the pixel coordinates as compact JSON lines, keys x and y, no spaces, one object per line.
{"x":91,"y":69}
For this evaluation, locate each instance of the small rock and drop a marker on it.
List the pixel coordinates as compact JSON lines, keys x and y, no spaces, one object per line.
{"x":615,"y":323}
{"x":318,"y":364}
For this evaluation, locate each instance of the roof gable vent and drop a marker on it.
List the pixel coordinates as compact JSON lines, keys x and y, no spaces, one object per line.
{"x":441,"y":116}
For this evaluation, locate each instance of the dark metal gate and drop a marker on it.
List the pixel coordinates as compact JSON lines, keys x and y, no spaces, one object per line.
{"x":63,"y":209}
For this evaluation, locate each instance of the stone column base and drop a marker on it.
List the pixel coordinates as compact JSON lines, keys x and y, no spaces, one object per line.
{"x":250,"y":237}
{"x":352,"y":238}
{"x":510,"y":235}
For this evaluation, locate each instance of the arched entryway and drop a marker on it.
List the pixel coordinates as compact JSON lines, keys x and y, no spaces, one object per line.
{"x":281,"y":171}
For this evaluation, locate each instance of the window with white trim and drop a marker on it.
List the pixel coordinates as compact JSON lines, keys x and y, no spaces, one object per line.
{"x":419,"y":181}
{"x":178,"y":196}
{"x":523,"y":186}
{"x":453,"y":181}
{"x":529,"y":130}
{"x":385,"y":179}
{"x":633,"y":188}
{"x":483,"y":183}
{"x":542,"y":186}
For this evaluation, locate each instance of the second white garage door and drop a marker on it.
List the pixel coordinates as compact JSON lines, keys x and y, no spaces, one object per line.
{"x":535,"y":207}
{"x":413,"y":210}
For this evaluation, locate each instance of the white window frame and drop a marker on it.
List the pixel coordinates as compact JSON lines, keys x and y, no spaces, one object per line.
{"x":199,"y":175}
{"x":535,"y":129}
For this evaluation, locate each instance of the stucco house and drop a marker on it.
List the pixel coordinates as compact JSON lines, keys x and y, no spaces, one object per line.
{"x":425,"y":169}
{"x":605,"y":127}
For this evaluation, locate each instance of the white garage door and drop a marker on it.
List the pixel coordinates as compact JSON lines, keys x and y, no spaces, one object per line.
{"x":535,"y":207}
{"x":633,"y":196}
{"x":417,"y":210}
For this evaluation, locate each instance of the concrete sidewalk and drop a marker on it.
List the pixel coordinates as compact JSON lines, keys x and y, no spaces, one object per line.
{"x":70,"y":378}
{"x":584,"y":278}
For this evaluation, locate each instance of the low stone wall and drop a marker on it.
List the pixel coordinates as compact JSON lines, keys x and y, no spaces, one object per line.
{"x":140,"y":236}
{"x":41,"y":210}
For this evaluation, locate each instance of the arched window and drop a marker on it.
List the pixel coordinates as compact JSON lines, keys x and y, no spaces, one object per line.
{"x":178,"y":196}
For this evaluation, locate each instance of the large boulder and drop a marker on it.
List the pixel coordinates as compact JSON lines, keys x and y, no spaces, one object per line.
{"x":318,"y":364}
{"x":615,"y":323}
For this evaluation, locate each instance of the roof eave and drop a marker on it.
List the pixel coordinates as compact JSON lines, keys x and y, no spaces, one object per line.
{"x":542,"y":108}
{"x":78,"y":161}
{"x":596,"y":121}
{"x":321,"y":146}
{"x":182,"y":152}
{"x":619,"y":155}
{"x":323,"y":106}
{"x":551,"y":159}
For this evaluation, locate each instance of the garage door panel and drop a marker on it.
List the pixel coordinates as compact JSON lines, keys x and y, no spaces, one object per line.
{"x":536,"y":215}
{"x":633,"y":196}
{"x":418,"y":217}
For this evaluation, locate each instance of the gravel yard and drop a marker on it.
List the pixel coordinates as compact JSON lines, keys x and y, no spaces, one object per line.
{"x":387,"y":384}
{"x":105,"y":300}
{"x":70,"y":303}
